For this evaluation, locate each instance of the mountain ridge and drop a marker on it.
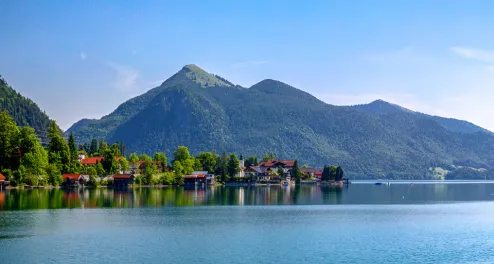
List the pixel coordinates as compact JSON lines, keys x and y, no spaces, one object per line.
{"x":206,"y":113}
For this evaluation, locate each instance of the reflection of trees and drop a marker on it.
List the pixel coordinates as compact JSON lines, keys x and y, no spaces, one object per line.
{"x":331,"y":194}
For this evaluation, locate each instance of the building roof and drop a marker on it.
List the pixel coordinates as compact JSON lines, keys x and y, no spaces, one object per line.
{"x":195,"y":176}
{"x":199,"y":172}
{"x":122,"y":176}
{"x":2,"y":178}
{"x":94,"y":160}
{"x":318,"y":174}
{"x":308,"y":170}
{"x":71,"y":176}
{"x":276,"y":163}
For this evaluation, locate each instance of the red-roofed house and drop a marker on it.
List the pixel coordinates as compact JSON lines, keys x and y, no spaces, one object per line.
{"x":72,"y":180}
{"x":318,"y":174}
{"x":94,"y":160}
{"x":3,"y":181}
{"x":272,"y":165}
{"x":122,"y":180}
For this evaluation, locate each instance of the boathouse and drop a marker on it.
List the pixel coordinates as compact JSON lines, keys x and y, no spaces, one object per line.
{"x":72,"y":180}
{"x":122,"y":180}
{"x":3,"y":181}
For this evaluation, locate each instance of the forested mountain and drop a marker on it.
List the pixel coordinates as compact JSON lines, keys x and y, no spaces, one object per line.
{"x":205,"y":112}
{"x":24,"y":111}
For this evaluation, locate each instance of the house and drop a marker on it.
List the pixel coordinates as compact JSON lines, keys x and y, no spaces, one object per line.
{"x":318,"y":174}
{"x":81,"y":157}
{"x":72,"y":180}
{"x":122,"y":180}
{"x":271,"y":166}
{"x":241,"y":172}
{"x":94,"y":160}
{"x":310,"y":172}
{"x":199,"y":178}
{"x":3,"y":181}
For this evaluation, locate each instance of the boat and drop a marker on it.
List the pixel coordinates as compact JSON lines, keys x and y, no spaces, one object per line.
{"x":378,"y":183}
{"x":285,"y":183}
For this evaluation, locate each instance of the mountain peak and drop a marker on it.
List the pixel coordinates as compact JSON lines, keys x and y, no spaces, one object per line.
{"x":380,"y":106}
{"x":198,"y":75}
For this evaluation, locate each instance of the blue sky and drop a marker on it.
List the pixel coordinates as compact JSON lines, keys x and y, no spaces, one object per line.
{"x":81,"y":59}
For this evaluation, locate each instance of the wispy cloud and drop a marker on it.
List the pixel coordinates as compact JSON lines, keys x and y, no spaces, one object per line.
{"x":250,"y":63}
{"x":475,"y":54}
{"x":126,"y":77}
{"x":83,"y":56}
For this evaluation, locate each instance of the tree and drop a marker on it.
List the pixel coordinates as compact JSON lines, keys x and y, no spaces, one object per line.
{"x":179,"y":173}
{"x":115,"y":148}
{"x":183,"y":156}
{"x":58,"y":149}
{"x":207,"y":160}
{"x":134,"y":160}
{"x":150,"y":169}
{"x":325,"y":174}
{"x":161,"y":160}
{"x":110,"y":163}
{"x":271,"y":156}
{"x":339,"y":174}
{"x":72,"y":148}
{"x":54,"y":175}
{"x":296,"y":173}
{"x":251,"y":161}
{"x":33,"y":156}
{"x":265,"y":157}
{"x":332,"y":173}
{"x":99,"y":169}
{"x":123,"y":164}
{"x":281,"y":172}
{"x":94,"y":147}
{"x":9,"y":136}
{"x":233,"y":165}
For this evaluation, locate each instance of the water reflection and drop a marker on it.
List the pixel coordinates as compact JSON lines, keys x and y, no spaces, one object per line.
{"x":273,"y":195}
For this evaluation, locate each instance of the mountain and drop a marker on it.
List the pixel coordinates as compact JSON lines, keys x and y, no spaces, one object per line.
{"x":380,"y":107}
{"x":24,"y":111}
{"x":206,"y":112}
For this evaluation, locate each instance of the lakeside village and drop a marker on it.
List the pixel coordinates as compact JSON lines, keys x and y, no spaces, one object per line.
{"x":25,"y":162}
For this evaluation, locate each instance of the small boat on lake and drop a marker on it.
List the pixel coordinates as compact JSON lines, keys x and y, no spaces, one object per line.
{"x":378,"y":183}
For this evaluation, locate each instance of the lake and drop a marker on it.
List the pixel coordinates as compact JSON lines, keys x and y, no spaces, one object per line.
{"x":424,"y":222}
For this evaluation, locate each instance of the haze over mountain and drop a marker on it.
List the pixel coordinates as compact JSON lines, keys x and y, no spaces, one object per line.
{"x":206,"y":112}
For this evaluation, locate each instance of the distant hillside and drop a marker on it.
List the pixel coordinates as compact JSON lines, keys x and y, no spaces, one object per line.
{"x":24,"y":111}
{"x":206,"y":112}
{"x":380,"y":107}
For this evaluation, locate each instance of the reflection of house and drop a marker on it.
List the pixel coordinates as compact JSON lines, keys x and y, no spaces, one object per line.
{"x":122,"y":180}
{"x":3,"y":181}
{"x":199,"y":178}
{"x":72,"y":180}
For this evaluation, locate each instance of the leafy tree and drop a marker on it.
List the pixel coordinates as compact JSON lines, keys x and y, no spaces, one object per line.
{"x":149,"y":170}
{"x":34,"y":157}
{"x":183,"y":156}
{"x":233,"y":165}
{"x":281,"y":172}
{"x":207,"y":160}
{"x":251,"y":161}
{"x":167,"y":178}
{"x":134,"y":160}
{"x":144,"y":157}
{"x":58,"y":149}
{"x":178,"y":170}
{"x":325,"y":174}
{"x":332,"y":173}
{"x":109,"y":162}
{"x":123,"y":164}
{"x":161,"y":159}
{"x":99,"y":169}
{"x":271,"y":156}
{"x":265,"y":157}
{"x":103,"y":147}
{"x":296,"y":173}
{"x":9,"y":136}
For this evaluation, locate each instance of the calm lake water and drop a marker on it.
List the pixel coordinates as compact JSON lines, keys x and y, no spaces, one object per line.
{"x":361,"y":223}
